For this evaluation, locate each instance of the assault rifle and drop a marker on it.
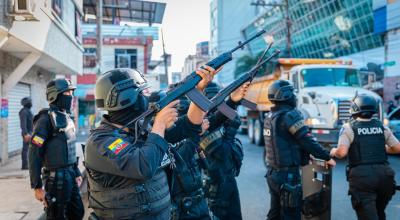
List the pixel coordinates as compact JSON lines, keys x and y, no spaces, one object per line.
{"x":187,"y":87}
{"x":218,"y":101}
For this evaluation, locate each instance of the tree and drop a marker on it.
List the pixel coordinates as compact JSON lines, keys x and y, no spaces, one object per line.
{"x":244,"y":64}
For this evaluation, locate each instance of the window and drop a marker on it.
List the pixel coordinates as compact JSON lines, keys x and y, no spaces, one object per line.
{"x":330,"y":77}
{"x":89,"y":58}
{"x":126,"y":58}
{"x":57,"y":7}
{"x":78,"y":26}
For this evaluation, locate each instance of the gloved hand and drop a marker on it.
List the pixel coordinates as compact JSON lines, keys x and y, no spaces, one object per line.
{"x":231,"y":127}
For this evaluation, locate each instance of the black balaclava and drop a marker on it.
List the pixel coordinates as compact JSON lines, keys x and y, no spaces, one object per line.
{"x":124,"y":116}
{"x":63,"y":102}
{"x":363,"y":115}
{"x":28,"y":105}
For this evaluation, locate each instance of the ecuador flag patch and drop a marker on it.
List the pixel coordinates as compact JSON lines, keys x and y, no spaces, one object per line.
{"x":38,"y":141}
{"x":117,"y":146}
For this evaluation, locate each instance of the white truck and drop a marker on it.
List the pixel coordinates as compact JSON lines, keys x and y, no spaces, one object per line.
{"x":324,"y":90}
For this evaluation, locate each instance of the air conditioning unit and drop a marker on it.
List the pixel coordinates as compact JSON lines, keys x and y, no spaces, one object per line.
{"x":24,"y":9}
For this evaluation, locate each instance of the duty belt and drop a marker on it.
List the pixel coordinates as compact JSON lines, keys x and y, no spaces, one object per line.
{"x":285,"y":169}
{"x":58,"y":168}
{"x":209,"y":139}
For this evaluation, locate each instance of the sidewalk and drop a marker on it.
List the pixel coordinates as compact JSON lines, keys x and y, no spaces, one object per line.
{"x":17,"y":199}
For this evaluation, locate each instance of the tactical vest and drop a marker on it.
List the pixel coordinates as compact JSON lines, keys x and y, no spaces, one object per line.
{"x":60,"y":147}
{"x":281,"y":148}
{"x":212,"y":143}
{"x":136,"y":199}
{"x":187,"y":173}
{"x":368,"y":146}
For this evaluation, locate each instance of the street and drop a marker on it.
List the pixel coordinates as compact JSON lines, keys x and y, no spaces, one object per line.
{"x":254,"y":190}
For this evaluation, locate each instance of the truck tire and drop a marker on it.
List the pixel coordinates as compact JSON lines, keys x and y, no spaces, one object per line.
{"x":258,"y":133}
{"x":250,"y":130}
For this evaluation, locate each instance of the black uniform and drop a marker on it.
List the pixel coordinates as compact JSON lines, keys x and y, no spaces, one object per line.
{"x":52,"y":155}
{"x":288,"y":143}
{"x":125,"y":178}
{"x":188,"y":200}
{"x":224,"y":158}
{"x":371,"y":180}
{"x":26,"y":123}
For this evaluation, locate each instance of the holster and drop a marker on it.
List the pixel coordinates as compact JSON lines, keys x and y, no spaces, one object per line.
{"x":291,"y":196}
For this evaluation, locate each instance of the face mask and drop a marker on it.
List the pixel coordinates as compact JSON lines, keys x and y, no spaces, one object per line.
{"x":63,"y":102}
{"x":28,"y":105}
{"x":124,"y":116}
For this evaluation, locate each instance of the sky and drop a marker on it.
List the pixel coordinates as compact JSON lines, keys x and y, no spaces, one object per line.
{"x":185,"y":23}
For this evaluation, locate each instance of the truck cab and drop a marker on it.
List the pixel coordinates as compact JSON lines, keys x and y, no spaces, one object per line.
{"x":324,"y":94}
{"x":324,"y":90}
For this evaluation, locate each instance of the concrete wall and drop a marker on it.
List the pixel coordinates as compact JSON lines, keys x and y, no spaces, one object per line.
{"x":38,"y":90}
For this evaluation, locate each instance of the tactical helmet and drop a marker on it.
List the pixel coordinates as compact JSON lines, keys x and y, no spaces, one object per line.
{"x":26,"y":100}
{"x":56,"y":87}
{"x":211,"y":90}
{"x":363,"y":103}
{"x":280,"y":90}
{"x":119,"y":88}
{"x":157,"y":96}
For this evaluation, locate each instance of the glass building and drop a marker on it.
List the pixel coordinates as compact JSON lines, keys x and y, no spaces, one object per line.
{"x":319,"y":28}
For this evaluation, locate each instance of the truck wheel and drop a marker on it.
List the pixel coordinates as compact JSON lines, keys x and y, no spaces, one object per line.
{"x":258,"y":133}
{"x":250,"y":130}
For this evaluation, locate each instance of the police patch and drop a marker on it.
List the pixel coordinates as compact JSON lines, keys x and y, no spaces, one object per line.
{"x":117,"y":146}
{"x":38,"y":141}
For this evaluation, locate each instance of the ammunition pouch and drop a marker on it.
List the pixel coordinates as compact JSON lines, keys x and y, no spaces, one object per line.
{"x":291,"y":196}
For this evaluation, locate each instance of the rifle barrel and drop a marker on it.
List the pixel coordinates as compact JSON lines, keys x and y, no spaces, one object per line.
{"x":248,"y":40}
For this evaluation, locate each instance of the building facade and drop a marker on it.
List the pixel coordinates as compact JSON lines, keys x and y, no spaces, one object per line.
{"x":123,"y":47}
{"x":39,"y":40}
{"x":345,"y":29}
{"x":319,"y":29}
{"x":192,"y":62}
{"x":227,"y":20}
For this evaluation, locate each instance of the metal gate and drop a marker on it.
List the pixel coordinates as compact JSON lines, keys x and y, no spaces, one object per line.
{"x":18,"y":92}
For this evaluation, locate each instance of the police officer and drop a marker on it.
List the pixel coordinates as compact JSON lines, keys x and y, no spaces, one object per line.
{"x":52,"y":154}
{"x":125,"y":179}
{"x":26,"y":123}
{"x":224,"y":157}
{"x":186,"y":185}
{"x":288,"y":142}
{"x":363,"y":139}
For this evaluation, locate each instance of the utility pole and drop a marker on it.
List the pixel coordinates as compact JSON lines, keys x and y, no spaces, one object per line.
{"x":99,"y":38}
{"x":165,"y":57}
{"x":288,"y":22}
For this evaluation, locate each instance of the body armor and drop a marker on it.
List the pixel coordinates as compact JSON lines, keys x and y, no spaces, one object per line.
{"x":60,"y":148}
{"x":368,"y":146}
{"x":281,"y":148}
{"x":122,"y":197}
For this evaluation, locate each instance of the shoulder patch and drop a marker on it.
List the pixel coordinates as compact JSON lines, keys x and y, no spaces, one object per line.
{"x":38,"y":141}
{"x":117,"y":146}
{"x":296,"y":126}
